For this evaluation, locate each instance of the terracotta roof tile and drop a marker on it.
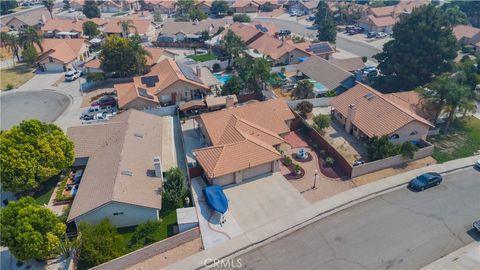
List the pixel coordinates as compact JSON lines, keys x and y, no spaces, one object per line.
{"x":65,"y":50}
{"x":466,"y":31}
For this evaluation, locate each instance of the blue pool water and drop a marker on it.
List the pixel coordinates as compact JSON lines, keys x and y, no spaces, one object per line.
{"x":223,"y":78}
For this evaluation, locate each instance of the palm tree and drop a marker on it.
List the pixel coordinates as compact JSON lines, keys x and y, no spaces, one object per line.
{"x":29,"y":36}
{"x":11,"y":43}
{"x":434,"y":95}
{"x":468,"y":107}
{"x":126,"y":26}
{"x":457,"y":97}
{"x":49,"y":6}
{"x":233,"y":44}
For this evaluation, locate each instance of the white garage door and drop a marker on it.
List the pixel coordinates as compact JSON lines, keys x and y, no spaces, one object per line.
{"x":53,"y":67}
{"x":258,"y":170}
{"x":224,"y":180}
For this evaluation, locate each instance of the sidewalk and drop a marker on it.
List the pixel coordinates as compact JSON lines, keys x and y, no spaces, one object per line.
{"x":465,"y":258}
{"x":287,"y":224}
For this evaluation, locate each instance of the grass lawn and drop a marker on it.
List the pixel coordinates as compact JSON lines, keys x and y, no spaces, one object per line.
{"x":42,"y":196}
{"x":16,"y":76}
{"x":203,"y":57}
{"x":463,"y":140}
{"x":164,"y":230}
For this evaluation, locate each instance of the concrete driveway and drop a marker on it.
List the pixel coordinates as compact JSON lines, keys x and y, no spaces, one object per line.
{"x":262,"y":200}
{"x":44,"y":105}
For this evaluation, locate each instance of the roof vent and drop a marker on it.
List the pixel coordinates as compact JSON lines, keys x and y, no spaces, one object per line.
{"x":139,"y":135}
{"x":369,"y":96}
{"x":127,"y":172}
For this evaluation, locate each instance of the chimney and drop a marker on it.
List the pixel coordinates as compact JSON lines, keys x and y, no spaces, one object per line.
{"x":352,"y":109}
{"x":199,"y":71}
{"x":158,"y":167}
{"x":229,"y":101}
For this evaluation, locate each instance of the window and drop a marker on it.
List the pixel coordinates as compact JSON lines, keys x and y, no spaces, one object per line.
{"x":394,"y":136}
{"x":414,"y":133}
{"x":118,"y":213}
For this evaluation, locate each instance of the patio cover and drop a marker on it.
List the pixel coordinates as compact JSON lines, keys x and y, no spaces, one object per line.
{"x":192,"y":104}
{"x":216,"y":198}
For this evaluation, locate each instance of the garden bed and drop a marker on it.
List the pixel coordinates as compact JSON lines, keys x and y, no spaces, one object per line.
{"x":293,"y":175}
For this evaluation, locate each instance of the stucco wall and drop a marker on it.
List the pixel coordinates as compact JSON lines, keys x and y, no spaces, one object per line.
{"x":405,"y":131}
{"x":140,"y":104}
{"x":132,"y":214}
{"x":179,"y":88}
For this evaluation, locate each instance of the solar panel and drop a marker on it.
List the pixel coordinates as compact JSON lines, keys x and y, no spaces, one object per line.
{"x":261,"y":28}
{"x":149,"y":81}
{"x":143,"y":93}
{"x":189,"y":73}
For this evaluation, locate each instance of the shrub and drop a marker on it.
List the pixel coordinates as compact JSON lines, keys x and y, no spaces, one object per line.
{"x":298,"y":169}
{"x":96,"y":77}
{"x":287,"y":161}
{"x":230,"y":12}
{"x":283,"y":70}
{"x":216,"y":67}
{"x":59,"y":197}
{"x":467,"y":49}
{"x":331,"y":93}
{"x":9,"y":86}
{"x":330,"y":161}
{"x":305,"y":107}
{"x":408,"y":149}
{"x":321,"y":122}
{"x":364,"y":59}
{"x":322,"y":153}
{"x":267,"y":7}
{"x":381,"y":147}
{"x":241,"y":18}
{"x":144,"y":234}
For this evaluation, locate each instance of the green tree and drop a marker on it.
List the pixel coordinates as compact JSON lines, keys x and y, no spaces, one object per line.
{"x":267,"y":7}
{"x":471,"y":8}
{"x":423,"y":46}
{"x":305,"y":107}
{"x":457,"y":97}
{"x":90,"y":29}
{"x":11,"y":43}
{"x":7,"y":5}
{"x":325,"y":23}
{"x":456,"y":16}
{"x":219,"y":7}
{"x":157,"y":17}
{"x":233,"y":86}
{"x":174,"y":186}
{"x":197,"y":15}
{"x":33,"y":152}
{"x":244,"y":18}
{"x":29,"y":230}
{"x":381,"y":147}
{"x":30,"y":55}
{"x":321,"y":122}
{"x":303,"y":90}
{"x":233,"y":44}
{"x":29,"y":37}
{"x":144,"y":234}
{"x":91,"y":10}
{"x":49,"y":4}
{"x":122,"y":55}
{"x":66,"y":4}
{"x":126,"y":25}
{"x":184,"y":7}
{"x":98,"y":244}
{"x":255,"y":73}
{"x":408,"y":149}
{"x":435,"y":93}
{"x":468,"y":73}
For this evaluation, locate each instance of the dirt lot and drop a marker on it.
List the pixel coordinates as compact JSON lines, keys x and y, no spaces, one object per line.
{"x":16,"y":76}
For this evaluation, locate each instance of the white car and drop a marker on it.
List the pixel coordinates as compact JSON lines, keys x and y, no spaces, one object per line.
{"x":71,"y":10}
{"x":72,"y":75}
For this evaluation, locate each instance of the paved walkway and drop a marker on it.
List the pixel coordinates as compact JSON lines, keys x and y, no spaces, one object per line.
{"x":466,"y":258}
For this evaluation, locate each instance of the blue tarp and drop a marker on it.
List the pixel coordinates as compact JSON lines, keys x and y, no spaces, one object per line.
{"x":216,"y":198}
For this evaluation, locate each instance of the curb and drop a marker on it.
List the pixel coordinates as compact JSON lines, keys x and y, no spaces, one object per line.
{"x":246,"y":242}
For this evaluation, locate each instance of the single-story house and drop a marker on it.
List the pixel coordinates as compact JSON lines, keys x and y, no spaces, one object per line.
{"x":322,"y":48}
{"x":242,"y":141}
{"x":77,"y":4}
{"x":162,"y":7}
{"x":350,"y":64}
{"x":93,"y":66}
{"x":382,"y":19}
{"x":182,"y":29}
{"x":365,"y":113}
{"x":168,"y":82}
{"x":144,"y":28}
{"x":115,"y":6}
{"x":467,"y":35}
{"x":61,"y":54}
{"x":245,"y":6}
{"x":123,"y":174}
{"x":326,"y":76}
{"x":204,"y":6}
{"x":157,"y":55}
{"x":61,"y":28}
{"x":305,"y":7}
{"x":35,"y":18}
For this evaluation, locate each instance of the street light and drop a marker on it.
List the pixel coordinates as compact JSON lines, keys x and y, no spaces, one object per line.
{"x":315,"y":180}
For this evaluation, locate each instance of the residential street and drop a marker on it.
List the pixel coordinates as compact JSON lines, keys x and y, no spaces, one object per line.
{"x":356,"y":47}
{"x":399,"y":230}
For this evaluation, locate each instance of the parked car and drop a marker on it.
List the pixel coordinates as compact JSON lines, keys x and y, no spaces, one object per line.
{"x":94,"y":110}
{"x":99,"y":117}
{"x":381,"y":35}
{"x":355,"y":30}
{"x":105,"y":101}
{"x":72,"y":75}
{"x":477,"y":164}
{"x":71,"y":10}
{"x":284,"y":32}
{"x":476,"y":225}
{"x":371,"y":34}
{"x":370,"y":71}
{"x":311,"y":18}
{"x":424,"y":181}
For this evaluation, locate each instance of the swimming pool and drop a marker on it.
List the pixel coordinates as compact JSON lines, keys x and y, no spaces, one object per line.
{"x":223,"y":78}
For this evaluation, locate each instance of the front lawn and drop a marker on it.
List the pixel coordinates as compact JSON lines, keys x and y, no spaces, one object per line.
{"x":168,"y":217}
{"x":463,"y":140}
{"x":203,"y":57}
{"x":43,"y":195}
{"x":16,"y":76}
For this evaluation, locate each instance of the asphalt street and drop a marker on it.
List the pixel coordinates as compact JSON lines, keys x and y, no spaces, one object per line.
{"x":399,"y":230}
{"x":356,"y":47}
{"x":43,"y":105}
